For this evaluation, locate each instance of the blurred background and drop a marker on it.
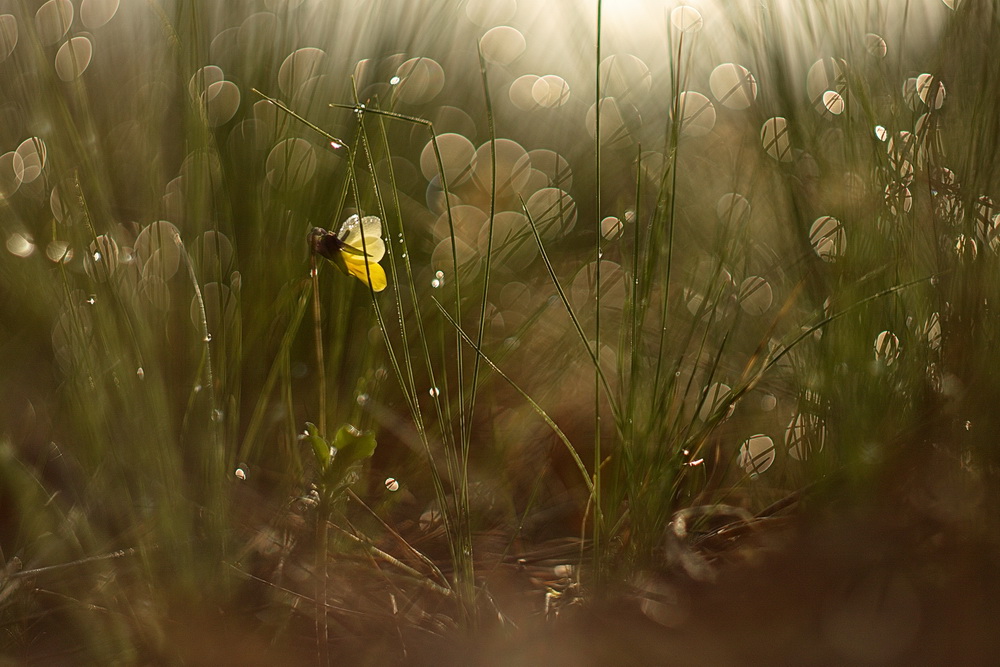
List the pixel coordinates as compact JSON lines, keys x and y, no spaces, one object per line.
{"x":657,"y":271}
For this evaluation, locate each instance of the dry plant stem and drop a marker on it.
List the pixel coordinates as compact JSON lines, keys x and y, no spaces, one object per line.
{"x":399,"y":538}
{"x":420,"y":577}
{"x":38,"y":571}
{"x":322,"y":537}
{"x":292,"y":593}
{"x":318,"y":342}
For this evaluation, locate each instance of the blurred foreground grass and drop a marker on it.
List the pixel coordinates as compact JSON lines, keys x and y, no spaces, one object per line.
{"x":682,"y":300}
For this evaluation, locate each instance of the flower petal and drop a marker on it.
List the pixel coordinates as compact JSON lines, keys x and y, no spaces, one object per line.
{"x":370,"y":227}
{"x":360,"y":269}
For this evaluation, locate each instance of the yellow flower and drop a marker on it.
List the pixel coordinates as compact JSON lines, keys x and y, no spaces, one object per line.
{"x":356,"y":249}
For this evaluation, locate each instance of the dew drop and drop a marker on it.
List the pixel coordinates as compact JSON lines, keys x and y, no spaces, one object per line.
{"x":362,"y":399}
{"x":434,"y":392}
{"x":207,"y":338}
{"x":139,"y":373}
{"x":393,"y":81}
{"x":391,"y":484}
{"x":240,"y":474}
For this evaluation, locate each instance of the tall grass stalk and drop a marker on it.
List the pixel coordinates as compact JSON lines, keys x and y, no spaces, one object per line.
{"x":599,"y":538}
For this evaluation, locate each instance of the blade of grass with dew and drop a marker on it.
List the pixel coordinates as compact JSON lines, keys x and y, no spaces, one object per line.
{"x":612,"y":400}
{"x":422,"y":336}
{"x":439,"y":164}
{"x":443,"y":419}
{"x":474,"y":385}
{"x":534,"y":406}
{"x":249,"y":443}
{"x":598,"y":530}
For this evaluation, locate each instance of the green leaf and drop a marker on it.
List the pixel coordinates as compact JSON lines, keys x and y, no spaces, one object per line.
{"x":352,"y":446}
{"x":321,"y":448}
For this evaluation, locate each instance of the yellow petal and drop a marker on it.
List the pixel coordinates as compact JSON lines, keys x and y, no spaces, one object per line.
{"x":369,"y":227}
{"x":356,"y":266}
